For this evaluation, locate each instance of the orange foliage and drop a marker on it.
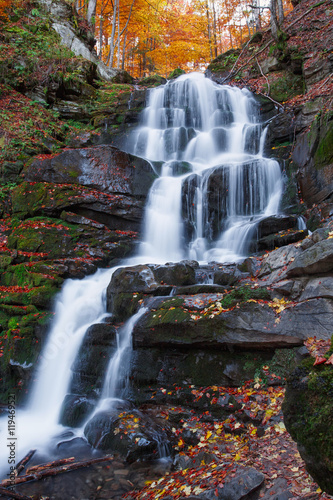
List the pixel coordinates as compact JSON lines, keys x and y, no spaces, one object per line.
{"x":157,"y":36}
{"x":4,"y":5}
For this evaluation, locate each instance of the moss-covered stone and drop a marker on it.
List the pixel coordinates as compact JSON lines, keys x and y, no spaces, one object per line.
{"x":285,"y":85}
{"x":23,"y":329}
{"x":47,"y":236}
{"x":176,"y":73}
{"x":308,"y":415}
{"x":324,"y":152}
{"x":152,"y":81}
{"x":224,"y":62}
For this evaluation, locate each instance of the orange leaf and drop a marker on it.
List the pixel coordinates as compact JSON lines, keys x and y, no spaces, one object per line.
{"x":319,"y":360}
{"x":330,"y":360}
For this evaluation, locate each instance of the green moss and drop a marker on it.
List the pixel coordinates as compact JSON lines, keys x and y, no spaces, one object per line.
{"x":242,"y":294}
{"x":324,"y":152}
{"x":224,"y":62}
{"x":308,"y":415}
{"x":43,"y":235}
{"x":176,"y":73}
{"x":162,"y":315}
{"x":5,"y":261}
{"x":152,"y":81}
{"x":286,"y":86}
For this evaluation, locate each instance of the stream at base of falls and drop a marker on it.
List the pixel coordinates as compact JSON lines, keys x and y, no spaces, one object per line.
{"x":214,"y":185}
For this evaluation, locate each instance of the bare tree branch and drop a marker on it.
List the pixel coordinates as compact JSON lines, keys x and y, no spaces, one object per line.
{"x":261,"y":71}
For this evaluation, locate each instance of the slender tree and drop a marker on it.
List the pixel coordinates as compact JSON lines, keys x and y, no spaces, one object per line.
{"x":91,"y":12}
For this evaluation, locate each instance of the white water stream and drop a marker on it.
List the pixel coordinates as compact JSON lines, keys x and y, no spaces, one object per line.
{"x":199,"y":135}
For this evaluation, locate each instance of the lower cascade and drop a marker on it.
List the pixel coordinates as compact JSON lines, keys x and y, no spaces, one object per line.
{"x":214,"y":185}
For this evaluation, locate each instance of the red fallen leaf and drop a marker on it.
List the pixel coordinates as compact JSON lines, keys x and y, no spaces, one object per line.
{"x":330,"y":360}
{"x":319,"y":360}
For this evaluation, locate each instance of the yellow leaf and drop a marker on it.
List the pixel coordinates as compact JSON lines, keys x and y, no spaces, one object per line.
{"x":280,"y":427}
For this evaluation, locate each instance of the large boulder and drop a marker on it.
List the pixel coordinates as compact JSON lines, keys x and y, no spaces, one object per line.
{"x":313,"y":156}
{"x":76,"y":237}
{"x":127,"y":287}
{"x":308,"y":416}
{"x":125,"y":431}
{"x":211,"y":320}
{"x":91,"y":362}
{"x":105,"y":168}
{"x":77,"y":204}
{"x":317,"y":259}
{"x":130,"y":285}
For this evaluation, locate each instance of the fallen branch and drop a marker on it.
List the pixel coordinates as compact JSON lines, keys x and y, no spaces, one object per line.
{"x":4,"y":492}
{"x":325,"y":81}
{"x":230,"y":75}
{"x":54,"y":471}
{"x":55,"y":463}
{"x":261,"y":71}
{"x":20,"y":466}
{"x":268,"y":89}
{"x":270,"y":98}
{"x":252,"y":57}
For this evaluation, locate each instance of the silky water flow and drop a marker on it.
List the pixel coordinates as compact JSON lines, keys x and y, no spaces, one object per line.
{"x":205,"y":143}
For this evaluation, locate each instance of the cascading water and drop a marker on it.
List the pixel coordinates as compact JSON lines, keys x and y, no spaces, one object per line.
{"x":214,"y":186}
{"x":215,"y":183}
{"x":80,"y":304}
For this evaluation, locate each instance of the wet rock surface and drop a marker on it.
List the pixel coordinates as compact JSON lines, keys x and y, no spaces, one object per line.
{"x":105,"y":168}
{"x":308,"y":416}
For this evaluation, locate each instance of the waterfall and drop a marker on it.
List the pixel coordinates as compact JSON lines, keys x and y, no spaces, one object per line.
{"x":215,"y":184}
{"x":80,"y":304}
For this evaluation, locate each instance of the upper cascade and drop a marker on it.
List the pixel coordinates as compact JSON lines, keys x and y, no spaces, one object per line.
{"x":206,"y":142}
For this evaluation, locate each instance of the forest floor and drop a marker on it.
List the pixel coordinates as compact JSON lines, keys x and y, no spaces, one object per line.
{"x":222,"y":449}
{"x":209,"y":451}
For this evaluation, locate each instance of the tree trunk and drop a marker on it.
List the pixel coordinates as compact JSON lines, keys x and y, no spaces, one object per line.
{"x":124,"y":52}
{"x":274,"y":20}
{"x":118,"y":39}
{"x":209,"y":32}
{"x":214,"y":30}
{"x":91,"y":13}
{"x":113,"y":43}
{"x":280,"y":10}
{"x":113,"y":32}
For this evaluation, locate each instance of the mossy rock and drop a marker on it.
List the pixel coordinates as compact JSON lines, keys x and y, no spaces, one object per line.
{"x":152,"y":81}
{"x":176,"y":73}
{"x":256,"y":38}
{"x":31,"y":199}
{"x":324,"y":152}
{"x":285,"y":85}
{"x":308,"y":416}
{"x":47,"y":236}
{"x":224,"y":62}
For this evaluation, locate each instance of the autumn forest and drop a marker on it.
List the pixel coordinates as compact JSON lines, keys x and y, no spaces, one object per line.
{"x":157,"y":36}
{"x":145,"y":37}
